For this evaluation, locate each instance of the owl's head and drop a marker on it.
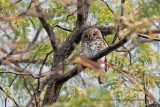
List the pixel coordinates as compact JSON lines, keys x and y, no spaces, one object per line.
{"x":91,"y":34}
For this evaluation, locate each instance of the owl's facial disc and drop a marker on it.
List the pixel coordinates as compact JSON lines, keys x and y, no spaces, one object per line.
{"x":91,"y":34}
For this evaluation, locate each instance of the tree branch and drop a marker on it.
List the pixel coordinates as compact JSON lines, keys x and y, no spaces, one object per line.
{"x":122,"y":9}
{"x":116,"y":35}
{"x":35,"y":37}
{"x":22,"y":73}
{"x":48,"y":28}
{"x":148,"y":37}
{"x":33,"y":58}
{"x":82,"y":12}
{"x":71,"y":14}
{"x":151,"y":31}
{"x":43,"y":83}
{"x":25,"y":84}
{"x":62,"y":28}
{"x":10,"y":97}
{"x":108,"y":7}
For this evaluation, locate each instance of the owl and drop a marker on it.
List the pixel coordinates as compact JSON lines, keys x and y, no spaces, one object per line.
{"x":92,"y":43}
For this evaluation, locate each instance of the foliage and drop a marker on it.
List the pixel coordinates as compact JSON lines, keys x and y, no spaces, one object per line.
{"x":18,"y":31}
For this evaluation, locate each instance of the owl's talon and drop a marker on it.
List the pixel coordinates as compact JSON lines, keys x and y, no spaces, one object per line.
{"x":101,"y":80}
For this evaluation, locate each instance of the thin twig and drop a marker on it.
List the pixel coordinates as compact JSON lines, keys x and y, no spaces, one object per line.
{"x":108,"y":7}
{"x":24,"y":13}
{"x":71,"y":14}
{"x":9,"y":87}
{"x":35,"y":96}
{"x":15,"y":3}
{"x":148,"y":37}
{"x":33,"y":58}
{"x":18,"y":1}
{"x":10,"y":97}
{"x":144,"y":85}
{"x":122,"y":9}
{"x":6,"y":56}
{"x":123,"y":73}
{"x":6,"y":102}
{"x":130,"y":55}
{"x":62,"y":28}
{"x":116,"y":35}
{"x":42,"y":68}
{"x":6,"y":34}
{"x":84,"y":83}
{"x":22,"y":73}
{"x":13,"y":80}
{"x":25,"y":84}
{"x":35,"y":37}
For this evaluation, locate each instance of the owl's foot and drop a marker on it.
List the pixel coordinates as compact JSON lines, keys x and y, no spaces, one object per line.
{"x":101,"y":79}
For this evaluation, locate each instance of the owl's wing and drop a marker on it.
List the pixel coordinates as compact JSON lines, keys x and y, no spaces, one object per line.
{"x":106,"y":57}
{"x":104,"y":67}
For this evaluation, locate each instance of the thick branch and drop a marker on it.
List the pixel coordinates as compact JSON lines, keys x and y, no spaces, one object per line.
{"x":86,"y":8}
{"x":107,"y":29}
{"x":151,"y":31}
{"x":43,"y":83}
{"x":48,"y":29}
{"x":82,"y":12}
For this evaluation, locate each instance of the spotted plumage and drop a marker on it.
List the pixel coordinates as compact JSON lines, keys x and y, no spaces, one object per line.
{"x":92,"y":43}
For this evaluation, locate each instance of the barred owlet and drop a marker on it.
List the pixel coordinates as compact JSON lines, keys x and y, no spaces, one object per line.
{"x":92,"y":43}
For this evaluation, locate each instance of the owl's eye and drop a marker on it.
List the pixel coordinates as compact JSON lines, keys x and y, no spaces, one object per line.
{"x":85,"y":36}
{"x":94,"y":34}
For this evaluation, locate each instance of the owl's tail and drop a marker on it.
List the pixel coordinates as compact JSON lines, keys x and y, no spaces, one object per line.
{"x":104,"y":68}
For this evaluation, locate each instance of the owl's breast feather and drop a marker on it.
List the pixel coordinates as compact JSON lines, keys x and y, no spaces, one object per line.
{"x":92,"y":48}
